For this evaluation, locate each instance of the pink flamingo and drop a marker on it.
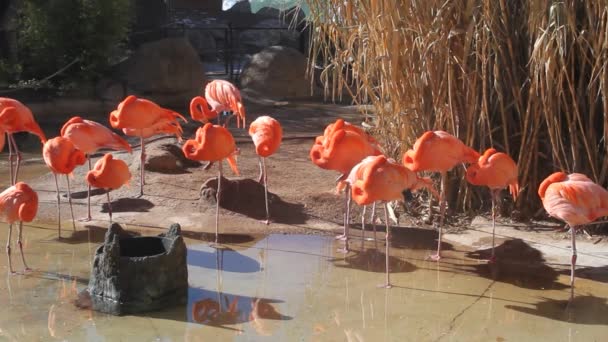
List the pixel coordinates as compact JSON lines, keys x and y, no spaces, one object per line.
{"x":576,"y":200}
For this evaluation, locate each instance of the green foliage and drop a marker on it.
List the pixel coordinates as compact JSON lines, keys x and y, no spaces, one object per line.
{"x":54,"y":33}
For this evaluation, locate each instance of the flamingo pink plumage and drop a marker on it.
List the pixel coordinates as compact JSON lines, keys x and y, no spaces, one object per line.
{"x":222,"y":95}
{"x":213,"y":143}
{"x":144,"y":118}
{"x":89,"y":137}
{"x":18,"y":203}
{"x":340,"y":148}
{"x":16,"y":117}
{"x":267,"y":134}
{"x":378,"y":178}
{"x":576,"y":200}
{"x":496,"y":170}
{"x":62,"y":157}
{"x":438,"y":151}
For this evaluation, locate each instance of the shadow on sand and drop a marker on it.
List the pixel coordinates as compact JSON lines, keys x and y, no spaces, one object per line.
{"x":246,"y":197}
{"x":517,"y":263}
{"x":123,"y":205}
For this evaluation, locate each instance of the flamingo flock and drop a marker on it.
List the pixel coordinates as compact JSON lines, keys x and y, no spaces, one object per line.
{"x":365,"y":174}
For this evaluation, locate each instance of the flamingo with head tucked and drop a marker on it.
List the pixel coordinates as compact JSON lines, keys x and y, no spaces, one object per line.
{"x":89,"y":137}
{"x":62,"y":157}
{"x":496,"y":170}
{"x":224,"y":96}
{"x":378,"y":178}
{"x":144,"y":118}
{"x":110,"y":174}
{"x":200,"y":111}
{"x":213,"y":143}
{"x":267,"y":134}
{"x":16,"y":117}
{"x":576,"y":200}
{"x":18,"y":203}
{"x":340,"y":148}
{"x":438,"y":151}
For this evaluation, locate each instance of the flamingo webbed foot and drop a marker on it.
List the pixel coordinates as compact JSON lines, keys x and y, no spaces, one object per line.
{"x":385,"y":286}
{"x":341,"y":237}
{"x":434,"y":257}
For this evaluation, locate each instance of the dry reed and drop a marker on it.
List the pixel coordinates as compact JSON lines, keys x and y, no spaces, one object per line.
{"x":527,"y":77}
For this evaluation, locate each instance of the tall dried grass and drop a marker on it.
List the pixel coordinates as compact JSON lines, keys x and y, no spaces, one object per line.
{"x":526,"y":77}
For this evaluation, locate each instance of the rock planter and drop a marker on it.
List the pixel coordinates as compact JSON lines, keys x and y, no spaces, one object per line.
{"x":139,"y":274}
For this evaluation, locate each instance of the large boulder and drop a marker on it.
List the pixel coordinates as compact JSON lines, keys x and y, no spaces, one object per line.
{"x":167,"y":71}
{"x":277,"y":72}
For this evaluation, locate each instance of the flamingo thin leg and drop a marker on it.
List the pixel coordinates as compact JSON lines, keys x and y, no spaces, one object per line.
{"x":442,"y":208}
{"x":10,"y":159}
{"x":58,"y":206}
{"x":20,"y":243}
{"x":363,"y":226}
{"x":142,"y":180}
{"x":67,"y":178}
{"x":8,"y":248}
{"x":572,"y":263}
{"x":89,"y":192}
{"x":217,"y":205}
{"x":16,"y":149}
{"x":494,"y":195}
{"x":388,"y":284}
{"x":109,"y":205}
{"x":265,"y":190}
{"x":261,"y":178}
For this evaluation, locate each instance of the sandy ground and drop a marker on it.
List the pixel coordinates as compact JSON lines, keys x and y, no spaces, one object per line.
{"x":303,"y":197}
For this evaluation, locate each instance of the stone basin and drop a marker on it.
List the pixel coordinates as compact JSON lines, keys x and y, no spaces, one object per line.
{"x":138,"y":274}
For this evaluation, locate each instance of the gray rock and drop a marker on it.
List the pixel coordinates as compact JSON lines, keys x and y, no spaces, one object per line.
{"x":277,"y":72}
{"x":167,"y":71}
{"x":138,"y":274}
{"x":165,"y":158}
{"x":202,"y":41}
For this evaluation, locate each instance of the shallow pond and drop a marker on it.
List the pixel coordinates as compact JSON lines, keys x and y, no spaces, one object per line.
{"x":295,"y":287}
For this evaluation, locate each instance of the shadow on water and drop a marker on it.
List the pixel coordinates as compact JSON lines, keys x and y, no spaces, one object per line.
{"x":519,"y":264}
{"x":582,"y":310}
{"x":373,"y":260}
{"x":84,"y":194}
{"x":231,"y":260}
{"x":246,"y":197}
{"x":92,"y":234}
{"x":416,"y":238}
{"x":123,"y":205}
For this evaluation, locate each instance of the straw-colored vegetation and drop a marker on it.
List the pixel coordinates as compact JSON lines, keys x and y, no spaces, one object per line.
{"x":527,"y":77}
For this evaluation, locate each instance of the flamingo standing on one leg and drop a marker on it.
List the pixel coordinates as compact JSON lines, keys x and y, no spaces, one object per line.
{"x":340,"y":148}
{"x":17,"y":203}
{"x":62,"y":157}
{"x":576,"y":200}
{"x":213,"y":143}
{"x":224,"y":96}
{"x":378,"y":178}
{"x":89,"y":137}
{"x":496,"y":170}
{"x":16,"y":117}
{"x":439,"y":151}
{"x":144,"y":118}
{"x":110,"y":174}
{"x":267,"y":134}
